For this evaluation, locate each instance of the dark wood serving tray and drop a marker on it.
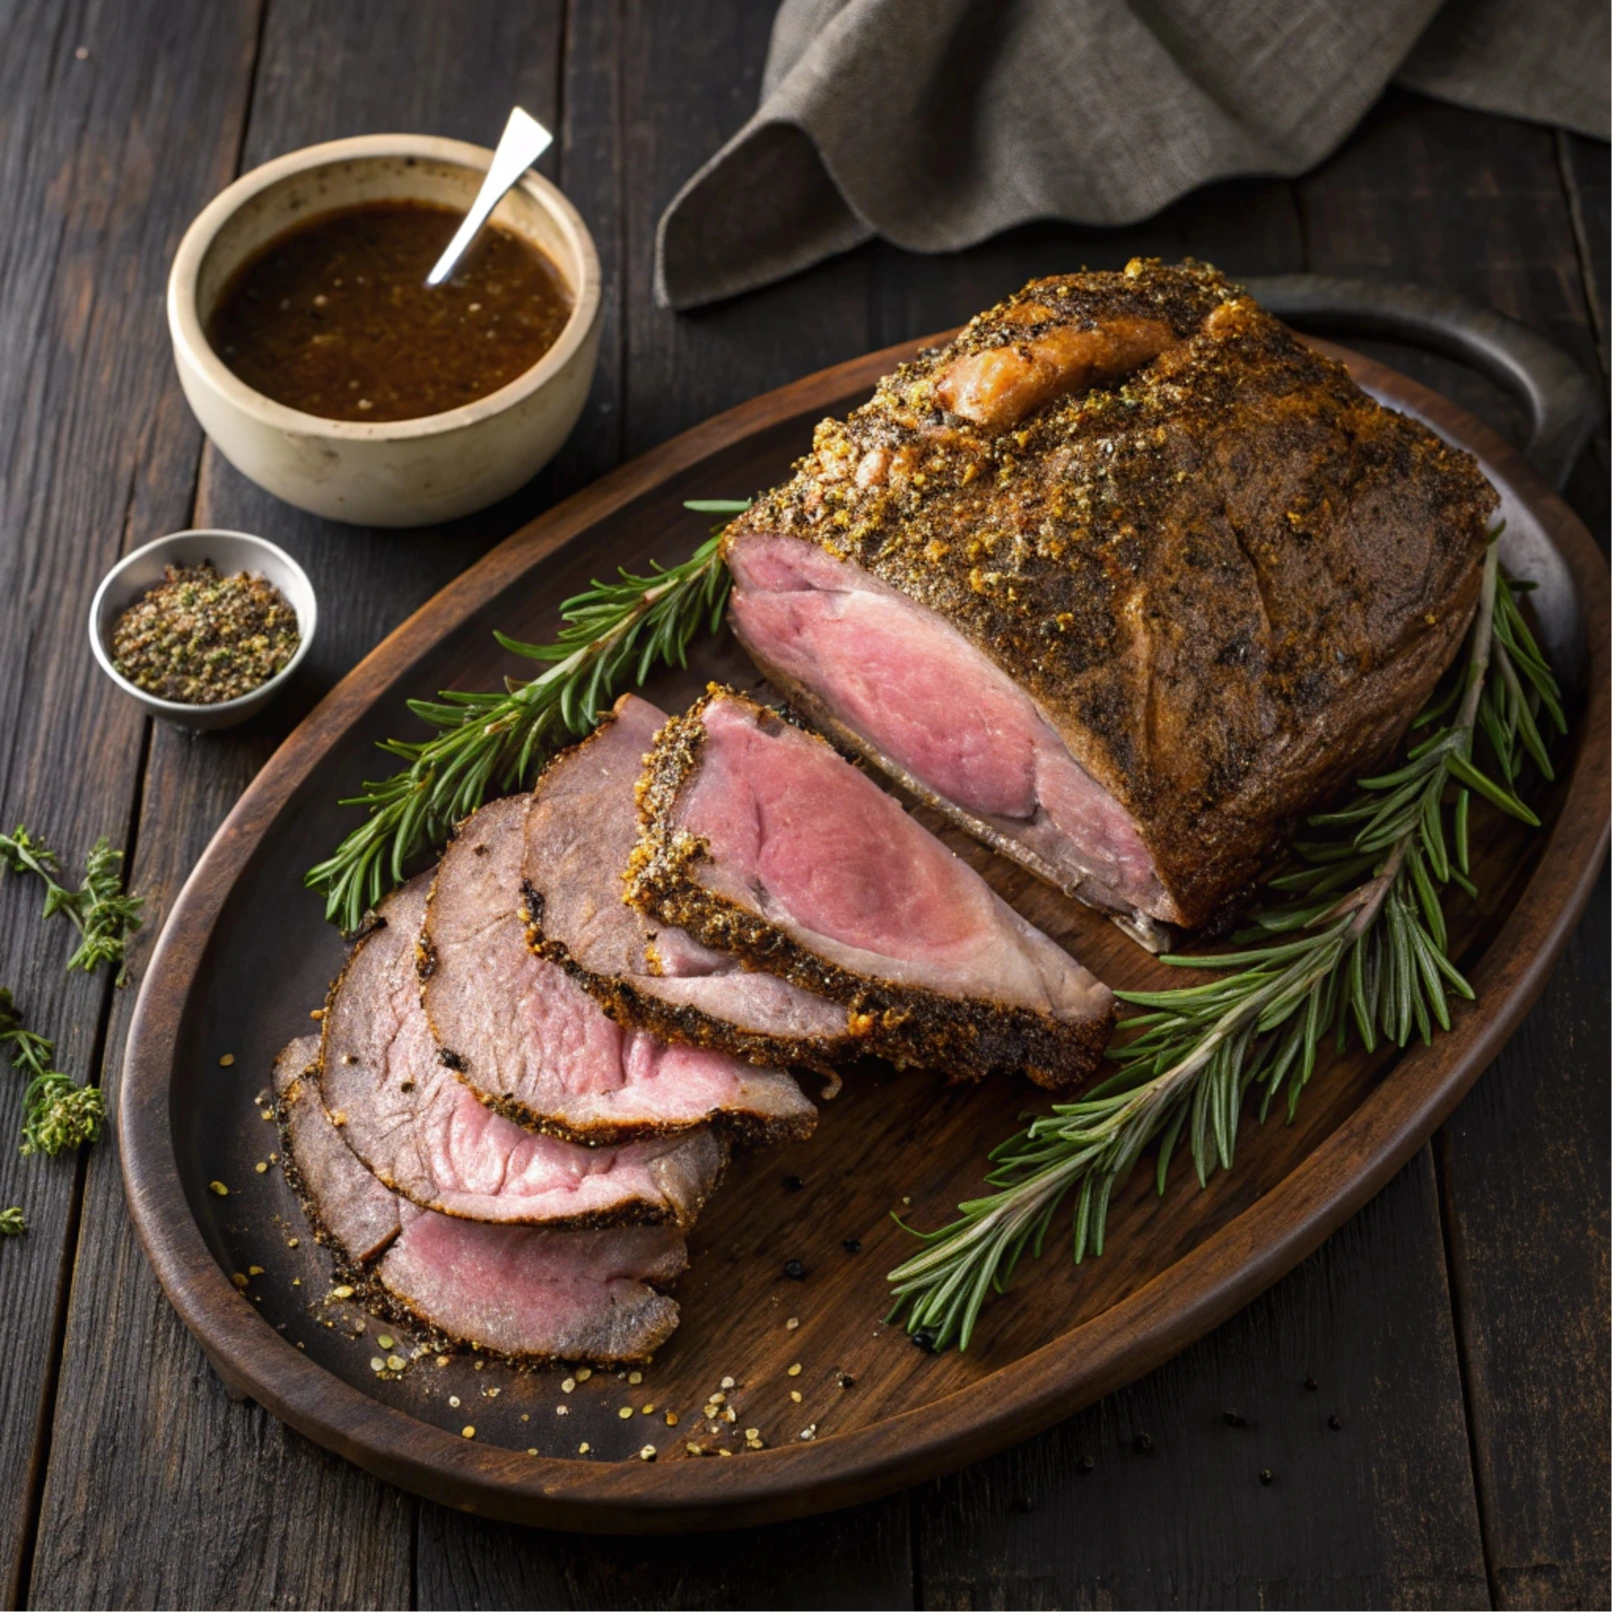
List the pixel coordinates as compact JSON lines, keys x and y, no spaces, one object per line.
{"x":246,"y":955}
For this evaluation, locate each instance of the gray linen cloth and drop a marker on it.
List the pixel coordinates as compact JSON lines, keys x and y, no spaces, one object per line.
{"x":937,"y":123}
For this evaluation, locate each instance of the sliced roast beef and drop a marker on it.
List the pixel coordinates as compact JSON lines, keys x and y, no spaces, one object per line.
{"x":526,"y":1292}
{"x":763,"y":841}
{"x":345,"y":1203}
{"x":581,"y":828}
{"x":1124,"y":580}
{"x":534,"y":1294}
{"x":533,"y":1045}
{"x":423,"y":1133}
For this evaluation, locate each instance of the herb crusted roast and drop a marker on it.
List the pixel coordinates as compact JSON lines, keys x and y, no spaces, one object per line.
{"x":1124,"y":580}
{"x":529,"y":1293}
{"x":581,"y":828}
{"x":417,"y":1127}
{"x":760,"y":839}
{"x":534,"y":1046}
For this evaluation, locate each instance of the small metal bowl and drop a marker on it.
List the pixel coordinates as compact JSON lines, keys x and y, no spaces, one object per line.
{"x":231,"y":552}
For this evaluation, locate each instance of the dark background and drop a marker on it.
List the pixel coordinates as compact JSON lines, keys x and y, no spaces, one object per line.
{"x":1457,"y":1327}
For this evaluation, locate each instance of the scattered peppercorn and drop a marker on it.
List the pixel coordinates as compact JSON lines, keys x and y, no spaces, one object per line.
{"x":795,"y":1270}
{"x":847,"y":1380}
{"x":1232,"y":1419}
{"x":1334,"y":1423}
{"x":852,"y":1245}
{"x":925,"y":1340}
{"x":199,"y":638}
{"x":1265,"y":1475}
{"x":1141,"y":1443}
{"x":1311,"y":1384}
{"x":1086,"y":1464}
{"x":793,"y":1183}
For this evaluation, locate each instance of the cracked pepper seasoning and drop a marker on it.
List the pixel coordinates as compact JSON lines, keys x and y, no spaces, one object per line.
{"x":198,"y":638}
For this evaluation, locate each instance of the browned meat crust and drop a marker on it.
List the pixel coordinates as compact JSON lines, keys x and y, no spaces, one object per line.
{"x":909,"y":1025}
{"x":628,"y":1002}
{"x":1228,"y":581}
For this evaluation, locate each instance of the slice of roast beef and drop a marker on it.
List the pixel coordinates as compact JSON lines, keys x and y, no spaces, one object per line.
{"x":529,"y":1293}
{"x":423,"y":1133}
{"x":581,"y":828}
{"x":344,"y":1203}
{"x":1125,"y":579}
{"x":533,"y":1294}
{"x":762,"y":840}
{"x":533,"y":1045}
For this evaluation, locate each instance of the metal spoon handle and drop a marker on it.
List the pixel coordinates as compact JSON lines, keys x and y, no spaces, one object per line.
{"x":524,"y":140}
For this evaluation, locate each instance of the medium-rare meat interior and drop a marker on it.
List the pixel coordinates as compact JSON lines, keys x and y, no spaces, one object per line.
{"x":1124,"y":579}
{"x":421,"y":1130}
{"x":581,"y":828}
{"x":528,"y":1293}
{"x":761,"y":840}
{"x":533,"y":1045}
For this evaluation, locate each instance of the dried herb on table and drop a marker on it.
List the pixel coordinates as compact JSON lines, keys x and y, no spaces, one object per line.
{"x":199,"y":638}
{"x":57,"y":1113}
{"x":1360,"y":941}
{"x":103,"y":914}
{"x":11,"y":1223}
{"x":614,"y":632}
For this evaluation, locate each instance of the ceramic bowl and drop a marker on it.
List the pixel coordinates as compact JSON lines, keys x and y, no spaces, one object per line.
{"x":230,"y":552}
{"x":393,"y":472}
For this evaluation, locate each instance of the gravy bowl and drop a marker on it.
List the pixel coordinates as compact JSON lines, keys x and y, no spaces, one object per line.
{"x":389,"y":472}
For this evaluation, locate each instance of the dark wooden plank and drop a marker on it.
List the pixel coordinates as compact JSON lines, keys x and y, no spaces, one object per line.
{"x":1429,"y":192}
{"x":856,"y":1558}
{"x":1379,"y":1512}
{"x":690,"y":75}
{"x":1524,"y":1175}
{"x":252,"y":1496}
{"x":1584,"y":164}
{"x":116,"y":123}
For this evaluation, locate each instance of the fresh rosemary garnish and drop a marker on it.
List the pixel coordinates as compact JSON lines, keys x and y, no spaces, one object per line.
{"x":11,"y":1223}
{"x":57,"y":1113}
{"x":613,"y":632}
{"x":103,"y":915}
{"x":1360,"y":941}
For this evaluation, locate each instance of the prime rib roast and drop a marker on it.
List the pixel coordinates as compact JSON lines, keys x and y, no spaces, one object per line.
{"x":762,"y":841}
{"x":1124,"y":579}
{"x":581,"y":828}
{"x":529,"y":1293}
{"x":532,"y":1044}
{"x":424,"y":1134}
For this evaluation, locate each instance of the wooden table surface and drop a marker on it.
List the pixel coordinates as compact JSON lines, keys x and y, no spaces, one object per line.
{"x":1457,"y":1328}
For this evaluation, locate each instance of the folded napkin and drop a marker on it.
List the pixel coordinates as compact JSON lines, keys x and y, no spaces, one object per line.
{"x":937,"y":123}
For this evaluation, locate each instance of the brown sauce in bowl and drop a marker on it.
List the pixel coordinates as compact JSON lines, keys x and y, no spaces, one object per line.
{"x":334,"y":317}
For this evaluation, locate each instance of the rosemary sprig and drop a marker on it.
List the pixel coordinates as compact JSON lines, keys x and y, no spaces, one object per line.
{"x":613,"y":632}
{"x":57,"y":1113}
{"x":11,"y":1223}
{"x":1359,"y":942}
{"x":104,"y":916}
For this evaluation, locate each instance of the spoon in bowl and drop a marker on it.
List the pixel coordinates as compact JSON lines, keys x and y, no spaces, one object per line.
{"x":524,"y":140}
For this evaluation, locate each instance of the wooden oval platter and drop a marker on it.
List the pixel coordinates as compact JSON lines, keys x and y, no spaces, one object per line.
{"x":246,"y":954}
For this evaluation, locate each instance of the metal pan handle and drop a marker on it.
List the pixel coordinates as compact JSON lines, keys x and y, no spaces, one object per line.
{"x":1563,"y":405}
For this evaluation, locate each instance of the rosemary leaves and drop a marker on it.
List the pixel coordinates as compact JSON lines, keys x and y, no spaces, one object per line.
{"x":1357,"y":945}
{"x":615,"y":632}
